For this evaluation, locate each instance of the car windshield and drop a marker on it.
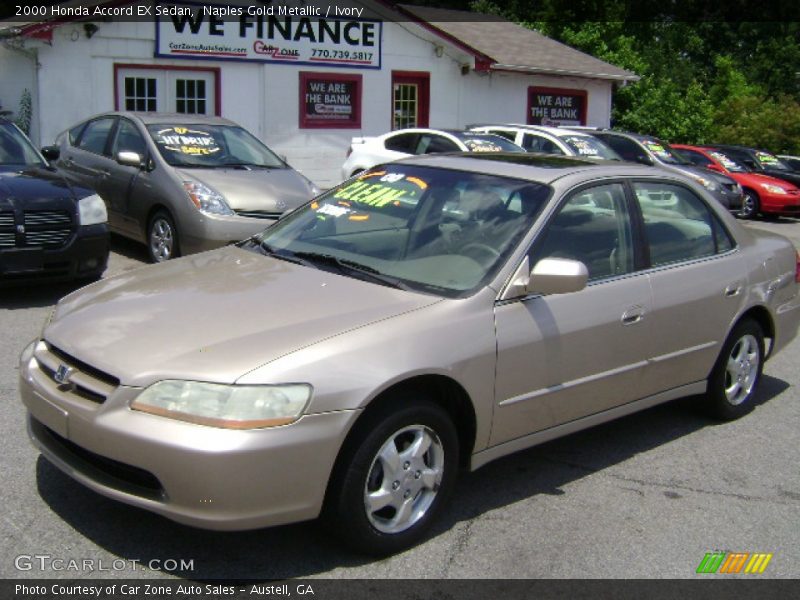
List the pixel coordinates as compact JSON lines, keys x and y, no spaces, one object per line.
{"x":664,"y":152}
{"x":431,"y":230}
{"x":770,"y":161}
{"x":15,"y":148}
{"x":726,"y":161}
{"x":486,"y":142}
{"x":211,"y":146}
{"x":590,"y":147}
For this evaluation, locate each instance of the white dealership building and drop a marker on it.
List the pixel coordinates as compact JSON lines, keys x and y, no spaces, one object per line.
{"x":304,"y":77}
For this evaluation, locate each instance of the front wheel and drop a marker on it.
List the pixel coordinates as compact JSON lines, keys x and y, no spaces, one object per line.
{"x":751,"y":205}
{"x":733,"y":381}
{"x":393,"y":477}
{"x":162,"y":238}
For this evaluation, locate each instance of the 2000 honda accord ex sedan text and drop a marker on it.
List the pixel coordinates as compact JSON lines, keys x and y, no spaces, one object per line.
{"x":430,"y":314}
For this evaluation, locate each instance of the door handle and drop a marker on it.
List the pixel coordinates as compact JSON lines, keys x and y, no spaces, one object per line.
{"x":733,"y":290}
{"x":632,"y":315}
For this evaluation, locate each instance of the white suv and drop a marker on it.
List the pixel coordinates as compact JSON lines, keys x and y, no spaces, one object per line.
{"x":552,"y":140}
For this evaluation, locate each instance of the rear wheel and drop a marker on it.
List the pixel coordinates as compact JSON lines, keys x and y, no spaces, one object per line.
{"x":394,"y":476}
{"x":751,"y":205}
{"x":733,"y":381}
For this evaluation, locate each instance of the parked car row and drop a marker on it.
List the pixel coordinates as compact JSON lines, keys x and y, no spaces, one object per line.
{"x":747,"y":181}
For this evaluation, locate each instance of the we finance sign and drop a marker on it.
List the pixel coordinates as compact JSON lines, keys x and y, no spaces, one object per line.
{"x":324,"y":35}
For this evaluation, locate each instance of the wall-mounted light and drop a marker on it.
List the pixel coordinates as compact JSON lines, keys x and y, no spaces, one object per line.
{"x":89,"y":29}
{"x":465,"y":69}
{"x":438,"y":50}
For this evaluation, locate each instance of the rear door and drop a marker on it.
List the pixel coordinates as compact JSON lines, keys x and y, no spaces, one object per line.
{"x":564,"y":356}
{"x":698,"y":279}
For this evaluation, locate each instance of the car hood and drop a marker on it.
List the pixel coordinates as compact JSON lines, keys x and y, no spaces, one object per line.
{"x":706,"y":173}
{"x":791,"y":176}
{"x":214,"y":316}
{"x":255,"y":188}
{"x":753,"y":178}
{"x":34,"y":185}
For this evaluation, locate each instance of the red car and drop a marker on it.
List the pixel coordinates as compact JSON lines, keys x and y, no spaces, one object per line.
{"x":763,"y":194}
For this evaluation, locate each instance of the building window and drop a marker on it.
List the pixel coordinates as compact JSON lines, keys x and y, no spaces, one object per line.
{"x":166,"y":88}
{"x":410,"y":99}
{"x":190,"y":96}
{"x":140,"y":94}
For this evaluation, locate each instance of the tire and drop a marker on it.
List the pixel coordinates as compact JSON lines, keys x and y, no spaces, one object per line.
{"x":162,"y":238}
{"x":735,"y":376}
{"x":384,"y":495}
{"x":751,"y":205}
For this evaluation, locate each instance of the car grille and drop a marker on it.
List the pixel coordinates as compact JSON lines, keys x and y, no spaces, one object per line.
{"x":48,"y":229}
{"x":83,"y":381}
{"x":258,"y":214}
{"x":117,"y":475}
{"x":8,"y":236}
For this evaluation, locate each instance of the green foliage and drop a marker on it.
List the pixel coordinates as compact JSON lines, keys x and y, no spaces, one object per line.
{"x":706,"y":76}
{"x":25,"y":112}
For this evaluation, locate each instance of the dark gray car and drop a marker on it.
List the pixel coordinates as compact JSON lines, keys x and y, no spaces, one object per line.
{"x":179,"y":183}
{"x":648,"y":150}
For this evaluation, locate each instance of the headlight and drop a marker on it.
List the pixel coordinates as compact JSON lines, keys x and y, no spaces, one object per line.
{"x":227,"y":406}
{"x":207,"y":200}
{"x":706,"y":183}
{"x":92,"y":210}
{"x":774,"y":189}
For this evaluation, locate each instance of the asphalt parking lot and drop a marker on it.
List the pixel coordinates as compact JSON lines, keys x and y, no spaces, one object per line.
{"x":643,"y":497}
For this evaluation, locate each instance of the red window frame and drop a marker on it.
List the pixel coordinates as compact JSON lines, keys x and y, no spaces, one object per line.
{"x":307,"y":122}
{"x":423,"y":80}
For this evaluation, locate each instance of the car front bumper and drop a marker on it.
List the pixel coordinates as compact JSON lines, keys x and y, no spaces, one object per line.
{"x":206,"y":232}
{"x":84,"y":255}
{"x":201,"y":476}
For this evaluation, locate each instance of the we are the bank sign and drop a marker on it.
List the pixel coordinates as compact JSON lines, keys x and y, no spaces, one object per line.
{"x":273,"y":33}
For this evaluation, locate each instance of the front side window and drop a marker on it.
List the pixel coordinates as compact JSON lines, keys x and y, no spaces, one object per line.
{"x":678,"y":224}
{"x":593,"y":227}
{"x":129,"y":139}
{"x":537,"y":143}
{"x":437,"y":231}
{"x":433,"y":144}
{"x":211,"y":146}
{"x":95,"y":136}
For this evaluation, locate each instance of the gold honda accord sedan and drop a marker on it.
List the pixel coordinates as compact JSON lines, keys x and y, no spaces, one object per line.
{"x":426,"y":316}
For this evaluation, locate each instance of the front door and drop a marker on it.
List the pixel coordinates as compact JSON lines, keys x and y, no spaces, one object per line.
{"x":565,"y":356}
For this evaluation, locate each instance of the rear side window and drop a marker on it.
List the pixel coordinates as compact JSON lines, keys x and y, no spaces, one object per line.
{"x":404,"y":142}
{"x":679,"y":226}
{"x":95,"y":135}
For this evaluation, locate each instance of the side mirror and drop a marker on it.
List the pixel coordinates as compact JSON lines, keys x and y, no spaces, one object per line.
{"x":51,"y":152}
{"x":549,"y":276}
{"x":130,"y":159}
{"x":643,"y":159}
{"x":558,"y":276}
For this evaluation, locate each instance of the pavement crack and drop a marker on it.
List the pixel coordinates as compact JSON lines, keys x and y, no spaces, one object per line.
{"x":459,"y":545}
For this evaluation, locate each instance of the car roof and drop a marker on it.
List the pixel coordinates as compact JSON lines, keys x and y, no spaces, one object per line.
{"x":149,"y":118}
{"x":541,"y":168}
{"x":556,"y":131}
